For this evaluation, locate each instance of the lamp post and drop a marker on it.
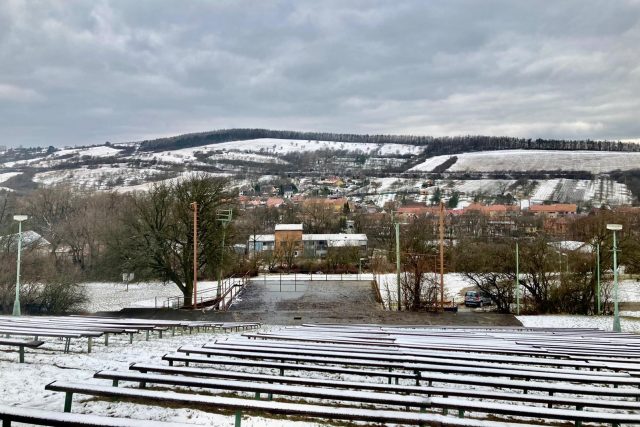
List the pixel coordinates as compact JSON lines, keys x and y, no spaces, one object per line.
{"x":517,"y":281}
{"x":616,"y":314}
{"x":16,"y":304}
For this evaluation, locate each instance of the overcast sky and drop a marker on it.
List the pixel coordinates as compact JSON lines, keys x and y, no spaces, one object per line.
{"x":86,"y":72}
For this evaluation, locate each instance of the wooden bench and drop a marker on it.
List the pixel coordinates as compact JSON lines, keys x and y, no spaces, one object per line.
{"x":454,"y":355}
{"x":52,"y":333}
{"x":261,"y":406}
{"x":578,"y":416}
{"x":21,"y":344}
{"x":380,"y":398}
{"x":9,"y":414}
{"x":526,"y":386}
{"x":439,"y":359}
{"x":550,"y":401}
{"x":282,"y":367}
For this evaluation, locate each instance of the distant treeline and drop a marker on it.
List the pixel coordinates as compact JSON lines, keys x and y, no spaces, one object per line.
{"x":434,"y":146}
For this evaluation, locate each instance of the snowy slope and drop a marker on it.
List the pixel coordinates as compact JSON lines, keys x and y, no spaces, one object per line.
{"x":533,"y":160}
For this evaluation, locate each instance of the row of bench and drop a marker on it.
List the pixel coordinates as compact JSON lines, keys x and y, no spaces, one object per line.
{"x":92,"y":327}
{"x":465,"y":372}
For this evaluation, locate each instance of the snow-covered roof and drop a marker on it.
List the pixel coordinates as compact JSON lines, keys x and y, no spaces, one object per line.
{"x":288,"y":227}
{"x":262,"y":238}
{"x":29,"y":239}
{"x":337,"y":240}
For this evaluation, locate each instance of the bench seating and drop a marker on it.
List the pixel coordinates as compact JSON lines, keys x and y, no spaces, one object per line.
{"x":550,"y":401}
{"x":21,"y":344}
{"x":282,"y":367}
{"x":271,"y":407}
{"x":9,"y":414}
{"x":381,"y":398}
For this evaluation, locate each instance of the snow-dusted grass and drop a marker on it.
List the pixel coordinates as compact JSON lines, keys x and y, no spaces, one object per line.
{"x":532,"y":160}
{"x":628,"y":324}
{"x":23,"y":384}
{"x":103,"y":177}
{"x":8,"y":175}
{"x":284,"y":146}
{"x":113,"y":296}
{"x":454,"y":286}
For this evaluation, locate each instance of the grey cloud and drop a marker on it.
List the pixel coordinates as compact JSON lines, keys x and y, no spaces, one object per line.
{"x":82,"y":72}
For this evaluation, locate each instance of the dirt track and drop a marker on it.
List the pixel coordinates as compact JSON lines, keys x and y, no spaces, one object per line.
{"x":289,"y":303}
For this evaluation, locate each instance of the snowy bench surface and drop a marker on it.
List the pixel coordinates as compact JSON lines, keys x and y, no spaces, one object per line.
{"x":357,"y":385}
{"x":272,"y":407}
{"x":550,"y":387}
{"x":52,"y":418}
{"x":411,"y":352}
{"x":280,"y":389}
{"x":414,"y":358}
{"x":535,"y":411}
{"x":171,"y":358}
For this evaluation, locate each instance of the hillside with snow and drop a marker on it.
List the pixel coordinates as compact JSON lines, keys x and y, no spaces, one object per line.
{"x":392,"y":167}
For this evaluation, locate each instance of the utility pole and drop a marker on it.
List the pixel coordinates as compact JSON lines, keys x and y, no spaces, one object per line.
{"x":517,"y":281}
{"x":441,"y":255}
{"x":224,"y":216}
{"x":397,"y":225}
{"x":194,"y":206}
{"x":598,"y":278}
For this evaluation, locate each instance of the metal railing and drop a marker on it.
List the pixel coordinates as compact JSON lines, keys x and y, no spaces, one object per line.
{"x":230,"y":287}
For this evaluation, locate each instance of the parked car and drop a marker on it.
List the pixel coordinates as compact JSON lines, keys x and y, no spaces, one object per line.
{"x":476,"y":299}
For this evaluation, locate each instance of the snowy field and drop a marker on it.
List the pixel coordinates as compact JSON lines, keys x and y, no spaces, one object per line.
{"x":454,"y":286}
{"x":23,"y":383}
{"x":628,"y":324}
{"x":103,"y":177}
{"x":534,"y":160}
{"x":114,"y":296}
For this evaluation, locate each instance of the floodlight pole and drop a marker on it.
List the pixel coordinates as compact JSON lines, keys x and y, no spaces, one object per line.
{"x":616,"y":313}
{"x":16,"y":303}
{"x":598,"y":278}
{"x":194,"y":205}
{"x":397,"y":225}
{"x":224,"y":217}
{"x":517,"y":281}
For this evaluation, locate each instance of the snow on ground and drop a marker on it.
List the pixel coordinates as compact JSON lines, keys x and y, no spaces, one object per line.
{"x":284,"y":146}
{"x":454,"y":285}
{"x":103,"y":177}
{"x":113,"y":296}
{"x":246,"y":157}
{"x":600,"y":190}
{"x":8,"y":175}
{"x":629,"y":290}
{"x":578,"y":321}
{"x":533,"y":160}
{"x":23,"y":383}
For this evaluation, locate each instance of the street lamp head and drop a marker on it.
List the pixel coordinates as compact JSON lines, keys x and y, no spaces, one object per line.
{"x":20,"y":217}
{"x":614,"y":227}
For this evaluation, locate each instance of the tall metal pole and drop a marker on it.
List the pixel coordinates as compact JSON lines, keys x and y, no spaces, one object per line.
{"x":441,"y":255}
{"x":194,"y":205}
{"x":616,"y":314}
{"x":598,"y":278}
{"x":16,"y":303}
{"x":397,"y":224}
{"x":517,"y":281}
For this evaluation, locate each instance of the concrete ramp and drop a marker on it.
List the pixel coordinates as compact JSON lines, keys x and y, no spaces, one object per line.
{"x":289,"y":301}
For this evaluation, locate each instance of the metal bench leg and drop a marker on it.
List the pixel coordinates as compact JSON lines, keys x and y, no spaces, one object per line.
{"x":238,"y":419}
{"x":460,"y":413}
{"x":147,"y":337}
{"x":89,"y":344}
{"x":68,"y":398}
{"x":106,"y":340}
{"x":67,"y":345}
{"x":21,"y":351}
{"x":173,"y":331}
{"x":6,"y":423}
{"x":115,"y":383}
{"x":160,"y":334}
{"x":257,"y":395}
{"x":130,"y":337}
